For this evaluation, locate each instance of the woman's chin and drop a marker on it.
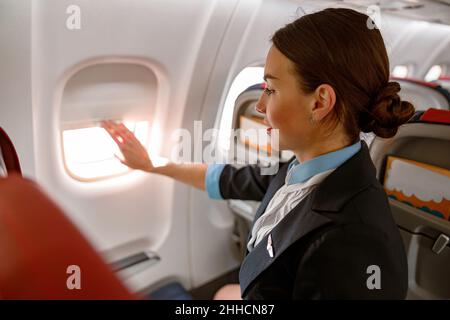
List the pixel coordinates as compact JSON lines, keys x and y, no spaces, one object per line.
{"x":276,"y":140}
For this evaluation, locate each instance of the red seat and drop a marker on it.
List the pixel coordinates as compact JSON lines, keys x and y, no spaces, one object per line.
{"x":38,"y":244}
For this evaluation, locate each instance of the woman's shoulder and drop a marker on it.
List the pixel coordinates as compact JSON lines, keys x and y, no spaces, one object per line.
{"x":367,"y":211}
{"x":371,"y":208}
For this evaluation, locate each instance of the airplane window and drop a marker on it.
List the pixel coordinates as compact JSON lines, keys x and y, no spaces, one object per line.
{"x":246,"y":78}
{"x":434,"y":73}
{"x":401,"y":71}
{"x":103,"y":90}
{"x":89,"y":153}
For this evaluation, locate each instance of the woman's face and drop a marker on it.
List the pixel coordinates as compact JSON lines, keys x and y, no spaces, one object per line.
{"x":285,"y":106}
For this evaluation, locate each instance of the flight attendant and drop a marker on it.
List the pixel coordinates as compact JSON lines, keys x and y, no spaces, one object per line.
{"x":324,"y":229}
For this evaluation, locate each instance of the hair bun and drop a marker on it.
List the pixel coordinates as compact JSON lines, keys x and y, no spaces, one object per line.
{"x":386,"y":112}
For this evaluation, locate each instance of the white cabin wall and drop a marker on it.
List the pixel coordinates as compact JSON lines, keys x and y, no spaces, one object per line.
{"x":417,"y":43}
{"x":245,"y":43}
{"x":15,"y":79}
{"x":136,"y":211}
{"x":196,"y":48}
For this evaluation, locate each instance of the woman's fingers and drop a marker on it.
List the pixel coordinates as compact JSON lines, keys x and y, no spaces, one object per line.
{"x":121,"y":160}
{"x":117,"y":139}
{"x":119,"y":132}
{"x":134,"y":153}
{"x":123,"y":130}
{"x":119,"y":135}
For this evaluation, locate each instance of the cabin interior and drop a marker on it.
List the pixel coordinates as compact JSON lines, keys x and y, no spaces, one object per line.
{"x":162,"y":65}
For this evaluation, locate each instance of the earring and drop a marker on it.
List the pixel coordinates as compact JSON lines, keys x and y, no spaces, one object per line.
{"x":312,"y":120}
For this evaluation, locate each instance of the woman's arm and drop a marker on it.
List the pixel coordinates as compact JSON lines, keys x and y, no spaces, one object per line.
{"x":136,"y":157}
{"x":192,"y":174}
{"x":224,"y":181}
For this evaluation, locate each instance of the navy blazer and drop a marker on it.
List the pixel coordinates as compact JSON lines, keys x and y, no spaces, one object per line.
{"x":340,"y":242}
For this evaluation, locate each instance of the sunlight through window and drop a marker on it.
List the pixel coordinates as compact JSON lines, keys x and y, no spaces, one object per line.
{"x":434,"y":73}
{"x":400,"y":71}
{"x":90,"y":153}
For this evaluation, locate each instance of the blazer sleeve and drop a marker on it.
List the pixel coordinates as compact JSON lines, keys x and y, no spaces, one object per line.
{"x":338,"y":267}
{"x":229,"y":182}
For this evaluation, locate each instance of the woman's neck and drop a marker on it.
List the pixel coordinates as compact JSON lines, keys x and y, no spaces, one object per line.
{"x":322,"y":147}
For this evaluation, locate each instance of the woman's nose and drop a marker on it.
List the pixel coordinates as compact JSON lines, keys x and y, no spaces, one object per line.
{"x":260,"y":106}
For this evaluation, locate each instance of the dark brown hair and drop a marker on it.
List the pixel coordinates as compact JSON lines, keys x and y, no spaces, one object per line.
{"x":337,"y":47}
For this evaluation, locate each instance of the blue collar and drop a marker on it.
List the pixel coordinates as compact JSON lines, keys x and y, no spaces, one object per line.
{"x":301,"y":172}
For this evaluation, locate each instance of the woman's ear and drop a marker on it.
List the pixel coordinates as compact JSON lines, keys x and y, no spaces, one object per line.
{"x":325,"y":100}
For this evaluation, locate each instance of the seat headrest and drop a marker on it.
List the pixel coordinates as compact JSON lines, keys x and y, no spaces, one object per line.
{"x":245,"y":102}
{"x":432,"y":116}
{"x":423,"y":95}
{"x":425,"y":138}
{"x":9,"y":154}
{"x":444,"y":81}
{"x":38,"y":244}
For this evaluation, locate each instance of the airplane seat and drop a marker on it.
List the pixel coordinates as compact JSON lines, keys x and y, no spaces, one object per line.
{"x":444,"y":82}
{"x":414,"y":167}
{"x":245,"y":102}
{"x":423,"y":94}
{"x":42,"y":255}
{"x":9,"y":161}
{"x":38,"y":244}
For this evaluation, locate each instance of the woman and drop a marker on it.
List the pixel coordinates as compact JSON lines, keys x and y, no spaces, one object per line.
{"x":324,"y":229}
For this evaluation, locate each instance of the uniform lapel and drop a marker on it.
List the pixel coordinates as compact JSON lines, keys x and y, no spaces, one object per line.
{"x":297,"y":224}
{"x":330,"y":196}
{"x":276,"y":184}
{"x":347,"y":180}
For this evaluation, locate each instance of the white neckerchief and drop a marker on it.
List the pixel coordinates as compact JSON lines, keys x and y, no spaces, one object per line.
{"x":284,"y":200}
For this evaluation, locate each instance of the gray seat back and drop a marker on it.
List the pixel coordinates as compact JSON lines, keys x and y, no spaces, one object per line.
{"x":423,"y":95}
{"x":425,"y":232}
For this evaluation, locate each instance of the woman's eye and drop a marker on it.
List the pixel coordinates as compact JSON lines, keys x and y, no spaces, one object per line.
{"x":268,"y":91}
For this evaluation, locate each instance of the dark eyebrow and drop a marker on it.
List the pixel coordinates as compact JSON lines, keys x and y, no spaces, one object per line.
{"x":269,"y":76}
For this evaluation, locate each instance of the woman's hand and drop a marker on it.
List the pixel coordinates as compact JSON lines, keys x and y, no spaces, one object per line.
{"x":135,"y":155}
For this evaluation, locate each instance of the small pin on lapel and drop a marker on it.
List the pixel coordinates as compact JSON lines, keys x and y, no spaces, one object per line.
{"x":269,"y":246}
